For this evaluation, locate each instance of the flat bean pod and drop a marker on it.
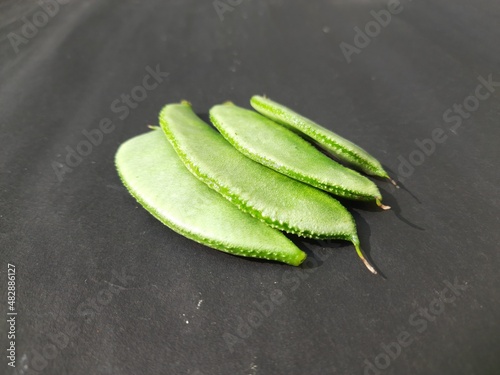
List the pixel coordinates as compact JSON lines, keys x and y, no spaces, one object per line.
{"x":278,"y":148}
{"x":279,"y":201}
{"x":341,"y":148}
{"x":153,"y":173}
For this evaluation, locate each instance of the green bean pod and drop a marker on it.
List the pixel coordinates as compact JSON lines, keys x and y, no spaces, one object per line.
{"x":343,"y":149}
{"x":153,"y":173}
{"x":282,"y":150}
{"x":277,"y":200}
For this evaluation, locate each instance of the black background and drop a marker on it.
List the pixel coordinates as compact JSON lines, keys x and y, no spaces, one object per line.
{"x":69,"y":239}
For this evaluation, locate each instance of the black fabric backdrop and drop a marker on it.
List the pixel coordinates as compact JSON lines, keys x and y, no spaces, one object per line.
{"x":104,"y":288}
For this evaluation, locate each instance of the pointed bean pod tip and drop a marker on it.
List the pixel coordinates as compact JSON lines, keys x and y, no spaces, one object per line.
{"x":379,"y":203}
{"x":355,"y":242}
{"x":392,"y":182}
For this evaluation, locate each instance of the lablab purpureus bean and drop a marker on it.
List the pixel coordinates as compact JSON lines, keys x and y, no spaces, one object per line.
{"x":279,"y":201}
{"x":282,"y":150}
{"x":153,"y":173}
{"x":341,"y":148}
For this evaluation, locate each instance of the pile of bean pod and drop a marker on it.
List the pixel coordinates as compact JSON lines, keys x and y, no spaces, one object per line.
{"x":237,"y":188}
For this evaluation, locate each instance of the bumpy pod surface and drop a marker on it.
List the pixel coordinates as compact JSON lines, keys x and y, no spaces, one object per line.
{"x":343,"y":149}
{"x":153,"y":173}
{"x":277,"y":200}
{"x":282,"y":150}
